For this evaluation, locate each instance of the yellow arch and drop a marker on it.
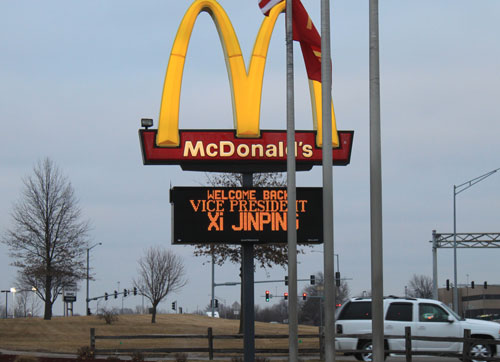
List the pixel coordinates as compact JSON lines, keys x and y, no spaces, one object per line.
{"x":246,"y":87}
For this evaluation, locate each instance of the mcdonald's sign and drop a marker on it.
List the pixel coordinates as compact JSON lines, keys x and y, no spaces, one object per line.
{"x":247,"y":145}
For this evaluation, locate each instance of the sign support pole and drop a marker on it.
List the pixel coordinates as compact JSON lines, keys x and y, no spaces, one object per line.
{"x":247,"y":269}
{"x":293,"y":347}
{"x":328,"y":246}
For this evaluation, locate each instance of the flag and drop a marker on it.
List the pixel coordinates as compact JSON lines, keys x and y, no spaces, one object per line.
{"x":305,"y":33}
{"x":267,"y":5}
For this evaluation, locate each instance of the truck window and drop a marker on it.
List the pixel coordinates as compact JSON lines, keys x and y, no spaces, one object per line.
{"x":356,"y":310}
{"x":402,"y":312}
{"x":431,"y":313}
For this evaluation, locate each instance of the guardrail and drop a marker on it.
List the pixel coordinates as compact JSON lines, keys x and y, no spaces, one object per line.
{"x":466,"y":340}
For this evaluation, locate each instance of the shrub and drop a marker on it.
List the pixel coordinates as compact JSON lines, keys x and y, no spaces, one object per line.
{"x":109,"y":316}
{"x":137,"y":357}
{"x":180,"y":357}
{"x":26,"y":359}
{"x":85,"y":354}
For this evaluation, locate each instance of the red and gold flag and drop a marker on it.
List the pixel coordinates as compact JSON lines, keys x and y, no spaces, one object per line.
{"x":305,"y":33}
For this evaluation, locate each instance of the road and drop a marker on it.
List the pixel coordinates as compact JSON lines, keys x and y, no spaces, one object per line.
{"x":402,"y":359}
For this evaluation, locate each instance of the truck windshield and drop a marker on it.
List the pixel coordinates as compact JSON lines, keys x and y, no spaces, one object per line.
{"x":452,"y":312}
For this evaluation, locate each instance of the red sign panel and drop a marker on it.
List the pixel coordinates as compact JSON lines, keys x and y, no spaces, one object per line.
{"x":220,"y":150}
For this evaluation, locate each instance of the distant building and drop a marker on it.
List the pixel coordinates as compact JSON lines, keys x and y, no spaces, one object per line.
{"x":474,"y":302}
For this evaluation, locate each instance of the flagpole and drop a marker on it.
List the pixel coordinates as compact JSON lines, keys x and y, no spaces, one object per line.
{"x":377,"y":283}
{"x":328,"y":246}
{"x":291,"y":190}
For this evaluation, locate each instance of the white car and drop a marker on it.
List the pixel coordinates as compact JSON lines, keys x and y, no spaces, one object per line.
{"x":426,"y":317}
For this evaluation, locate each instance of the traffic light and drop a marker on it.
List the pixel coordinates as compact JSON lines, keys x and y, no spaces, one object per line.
{"x":337,"y":279}
{"x":285,"y":296}
{"x":304,"y":296}
{"x":472,"y":284}
{"x":135,"y":291}
{"x":313,"y":279}
{"x":286,"y":279}
{"x":267,"y":295}
{"x":447,"y":284}
{"x":125,"y":291}
{"x":105,"y":296}
{"x":116,"y":294}
{"x":174,"y":305}
{"x":485,"y":285}
{"x":216,"y":303}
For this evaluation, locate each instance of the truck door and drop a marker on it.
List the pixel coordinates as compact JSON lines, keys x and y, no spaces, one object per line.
{"x":434,"y":321}
{"x":399,"y":315}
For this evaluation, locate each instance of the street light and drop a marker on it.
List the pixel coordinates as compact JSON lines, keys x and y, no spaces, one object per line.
{"x":88,"y":277}
{"x":12,"y":290}
{"x":336,"y":255}
{"x":456,"y":190}
{"x":5,"y":291}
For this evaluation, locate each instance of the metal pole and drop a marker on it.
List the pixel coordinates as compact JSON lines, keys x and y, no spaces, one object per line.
{"x":293,"y":347}
{"x":455,"y":290}
{"x":213,"y":285}
{"x":88,"y":276}
{"x":328,"y":246}
{"x":248,"y":291}
{"x":376,"y":189}
{"x":434,"y":266}
{"x":87,"y":299}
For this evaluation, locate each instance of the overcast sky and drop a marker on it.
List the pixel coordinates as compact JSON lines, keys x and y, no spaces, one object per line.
{"x":76,"y":77}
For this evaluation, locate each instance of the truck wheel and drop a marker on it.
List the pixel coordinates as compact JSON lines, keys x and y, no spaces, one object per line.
{"x":480,"y":350}
{"x":366,"y":355}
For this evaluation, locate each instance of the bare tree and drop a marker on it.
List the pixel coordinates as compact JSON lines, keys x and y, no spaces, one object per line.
{"x":27,"y":303}
{"x":266,"y":255}
{"x":310,"y":309}
{"x":420,"y":286}
{"x":160,"y":273}
{"x":48,"y":238}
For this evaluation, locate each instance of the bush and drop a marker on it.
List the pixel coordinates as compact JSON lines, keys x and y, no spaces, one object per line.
{"x":137,"y":357}
{"x":109,"y":316}
{"x":26,"y":359}
{"x":180,"y":357}
{"x":85,"y":354}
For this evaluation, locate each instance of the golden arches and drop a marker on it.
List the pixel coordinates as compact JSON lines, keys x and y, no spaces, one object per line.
{"x":246,"y":86}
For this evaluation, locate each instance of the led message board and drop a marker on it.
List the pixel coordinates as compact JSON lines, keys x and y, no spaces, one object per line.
{"x":239,"y":215}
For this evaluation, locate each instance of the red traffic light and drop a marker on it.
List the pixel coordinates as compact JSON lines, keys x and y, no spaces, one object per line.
{"x":304,"y":296}
{"x":267,"y":295}
{"x":285,"y":296}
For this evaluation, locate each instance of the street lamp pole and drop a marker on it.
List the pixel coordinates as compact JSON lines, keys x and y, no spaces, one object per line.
{"x":456,"y":190}
{"x":6,"y":300}
{"x":88,"y":276}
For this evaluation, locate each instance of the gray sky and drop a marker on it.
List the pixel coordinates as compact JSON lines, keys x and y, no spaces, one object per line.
{"x":76,"y":78}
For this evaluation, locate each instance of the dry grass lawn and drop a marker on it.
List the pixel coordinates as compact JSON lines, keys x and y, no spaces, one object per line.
{"x":66,"y":335}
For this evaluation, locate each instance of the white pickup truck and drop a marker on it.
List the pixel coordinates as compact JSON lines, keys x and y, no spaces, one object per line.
{"x":426,"y":317}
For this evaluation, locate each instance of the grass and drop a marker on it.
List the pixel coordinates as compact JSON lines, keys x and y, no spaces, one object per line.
{"x":67,"y":334}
